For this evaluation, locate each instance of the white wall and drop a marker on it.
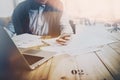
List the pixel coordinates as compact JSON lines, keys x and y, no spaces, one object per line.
{"x":18,"y":1}
{"x":6,"y":8}
{"x":107,"y":10}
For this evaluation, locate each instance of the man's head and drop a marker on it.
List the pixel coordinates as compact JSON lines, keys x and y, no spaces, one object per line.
{"x":41,"y":1}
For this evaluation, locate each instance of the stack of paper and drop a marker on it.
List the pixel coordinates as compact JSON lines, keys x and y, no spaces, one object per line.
{"x":27,"y":40}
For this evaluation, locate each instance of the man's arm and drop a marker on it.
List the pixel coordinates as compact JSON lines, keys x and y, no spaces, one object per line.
{"x":66,"y":30}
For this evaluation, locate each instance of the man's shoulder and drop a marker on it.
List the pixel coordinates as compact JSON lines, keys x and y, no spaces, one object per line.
{"x":23,"y":5}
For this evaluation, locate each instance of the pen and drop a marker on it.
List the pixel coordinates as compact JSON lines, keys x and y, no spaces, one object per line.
{"x":45,"y":43}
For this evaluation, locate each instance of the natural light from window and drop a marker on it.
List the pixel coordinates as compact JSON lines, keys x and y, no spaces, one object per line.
{"x":108,"y":10}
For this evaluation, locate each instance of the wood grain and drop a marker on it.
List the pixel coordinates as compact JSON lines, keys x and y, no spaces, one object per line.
{"x":111,"y":60}
{"x":61,"y":68}
{"x":115,"y":46}
{"x":91,"y":68}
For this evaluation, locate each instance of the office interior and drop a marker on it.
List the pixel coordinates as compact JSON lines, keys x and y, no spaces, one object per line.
{"x":95,"y":55}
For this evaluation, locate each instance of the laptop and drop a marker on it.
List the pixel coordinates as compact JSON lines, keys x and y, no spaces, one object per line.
{"x":31,"y":58}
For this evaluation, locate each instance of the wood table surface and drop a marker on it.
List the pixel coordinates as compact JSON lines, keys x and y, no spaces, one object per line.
{"x":103,"y":64}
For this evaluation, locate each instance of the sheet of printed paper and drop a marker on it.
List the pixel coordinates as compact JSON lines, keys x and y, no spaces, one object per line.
{"x":27,"y":40}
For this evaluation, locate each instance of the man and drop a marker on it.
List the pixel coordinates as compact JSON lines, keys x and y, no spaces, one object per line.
{"x":42,"y":17}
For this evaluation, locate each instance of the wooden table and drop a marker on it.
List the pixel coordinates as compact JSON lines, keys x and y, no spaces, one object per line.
{"x":103,"y":64}
{"x":98,"y":65}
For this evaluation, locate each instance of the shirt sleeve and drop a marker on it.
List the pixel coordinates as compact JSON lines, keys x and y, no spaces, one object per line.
{"x":65,"y":25}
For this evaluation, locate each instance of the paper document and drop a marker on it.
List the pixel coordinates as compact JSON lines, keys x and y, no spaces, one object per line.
{"x":27,"y":40}
{"x":85,"y":42}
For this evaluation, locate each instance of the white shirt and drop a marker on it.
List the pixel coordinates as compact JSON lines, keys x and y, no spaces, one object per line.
{"x":39,"y":26}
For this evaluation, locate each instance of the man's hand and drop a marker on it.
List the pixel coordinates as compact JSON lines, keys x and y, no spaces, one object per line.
{"x":63,"y":39}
